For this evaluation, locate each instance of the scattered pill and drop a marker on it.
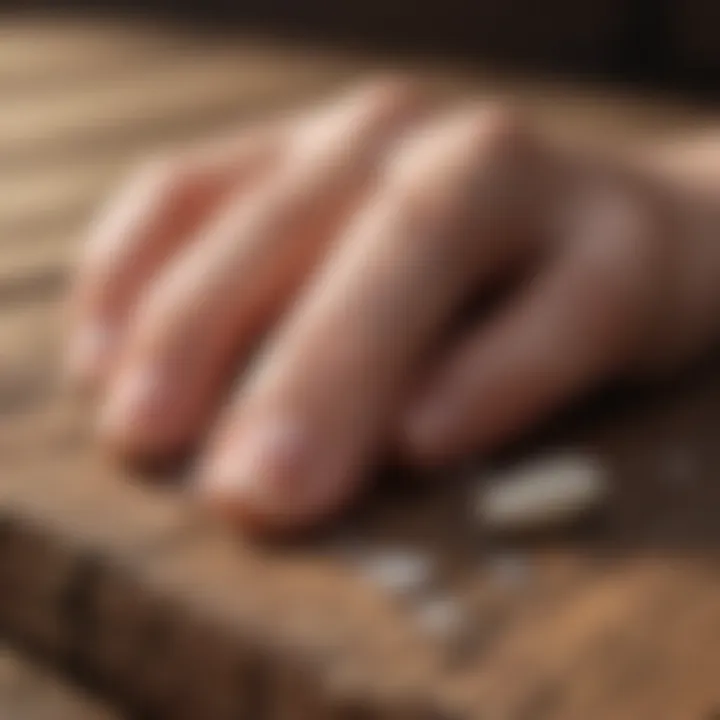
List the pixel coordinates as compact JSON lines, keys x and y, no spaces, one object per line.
{"x":443,"y":619}
{"x":548,"y":491}
{"x":508,"y":570}
{"x":399,"y":571}
{"x":447,"y":623}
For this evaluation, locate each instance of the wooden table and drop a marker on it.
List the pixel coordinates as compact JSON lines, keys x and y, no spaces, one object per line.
{"x":28,"y":692}
{"x":128,"y":588}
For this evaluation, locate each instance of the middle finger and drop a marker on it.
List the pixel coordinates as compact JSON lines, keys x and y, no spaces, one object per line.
{"x":297,"y":440}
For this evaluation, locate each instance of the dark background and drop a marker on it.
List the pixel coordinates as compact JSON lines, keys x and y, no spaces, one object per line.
{"x":665,"y":43}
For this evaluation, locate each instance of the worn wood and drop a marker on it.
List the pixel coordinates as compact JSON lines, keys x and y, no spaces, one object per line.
{"x":31,"y":692}
{"x":153,"y":603}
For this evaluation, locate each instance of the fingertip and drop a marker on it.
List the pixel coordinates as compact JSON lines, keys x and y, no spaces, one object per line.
{"x":140,"y":417}
{"x":270,"y":478}
{"x":391,"y":90}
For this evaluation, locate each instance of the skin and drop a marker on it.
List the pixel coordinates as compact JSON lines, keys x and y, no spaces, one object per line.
{"x":287,"y":302}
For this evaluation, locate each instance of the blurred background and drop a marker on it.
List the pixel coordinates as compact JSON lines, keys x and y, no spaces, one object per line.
{"x":660,"y":42}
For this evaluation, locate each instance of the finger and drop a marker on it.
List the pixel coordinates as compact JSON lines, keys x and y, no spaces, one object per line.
{"x":300,"y":436}
{"x":209,"y":307}
{"x":579,"y":320}
{"x":151,"y":219}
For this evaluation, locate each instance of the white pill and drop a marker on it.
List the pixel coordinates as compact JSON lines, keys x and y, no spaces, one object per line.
{"x":441,"y":618}
{"x":399,"y":571}
{"x":542,"y":492}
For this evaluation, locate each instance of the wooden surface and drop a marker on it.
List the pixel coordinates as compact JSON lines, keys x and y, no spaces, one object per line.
{"x":28,"y":692}
{"x":129,"y":588}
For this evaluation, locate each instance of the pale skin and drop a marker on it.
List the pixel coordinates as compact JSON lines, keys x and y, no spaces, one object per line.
{"x":286,"y":302}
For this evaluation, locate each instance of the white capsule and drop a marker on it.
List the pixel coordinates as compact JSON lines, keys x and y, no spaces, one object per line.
{"x":547,"y":491}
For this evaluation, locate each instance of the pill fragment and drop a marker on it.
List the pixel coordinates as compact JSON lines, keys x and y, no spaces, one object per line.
{"x":548,"y":491}
{"x":399,"y":571}
{"x":441,"y":618}
{"x":508,"y":571}
{"x":449,"y":626}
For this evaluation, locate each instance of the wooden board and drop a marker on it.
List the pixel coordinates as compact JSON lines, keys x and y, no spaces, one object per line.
{"x":131,"y":588}
{"x":29,"y":692}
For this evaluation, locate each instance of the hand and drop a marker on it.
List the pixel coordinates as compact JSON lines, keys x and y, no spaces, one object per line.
{"x":295,"y":301}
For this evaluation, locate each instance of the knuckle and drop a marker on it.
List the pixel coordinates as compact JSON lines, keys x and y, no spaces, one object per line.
{"x":470,"y":142}
{"x":496,"y":130}
{"x":359,"y":123}
{"x":409,"y":195}
{"x":454,"y":164}
{"x":165,"y":180}
{"x":503,"y":157}
{"x":426,"y":220}
{"x":389,"y":91}
{"x":158,"y":320}
{"x":156,"y":187}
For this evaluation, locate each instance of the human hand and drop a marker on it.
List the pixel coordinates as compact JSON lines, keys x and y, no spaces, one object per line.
{"x":294,"y":302}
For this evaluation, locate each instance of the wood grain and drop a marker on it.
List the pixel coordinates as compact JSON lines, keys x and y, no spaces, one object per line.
{"x":132,"y":586}
{"x":29,"y":692}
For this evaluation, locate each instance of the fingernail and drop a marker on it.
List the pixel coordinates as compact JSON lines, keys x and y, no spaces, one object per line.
{"x":271,"y":468}
{"x":89,"y":352}
{"x":137,"y":396}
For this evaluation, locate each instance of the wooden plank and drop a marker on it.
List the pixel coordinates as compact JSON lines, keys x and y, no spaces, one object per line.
{"x":30,"y":692}
{"x":38,"y":57}
{"x":32,"y":47}
{"x":55,"y":196}
{"x":144,"y":565}
{"x":71,"y":514}
{"x":184,"y":85}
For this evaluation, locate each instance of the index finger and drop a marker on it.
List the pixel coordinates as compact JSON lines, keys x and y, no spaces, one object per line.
{"x":155,"y":215}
